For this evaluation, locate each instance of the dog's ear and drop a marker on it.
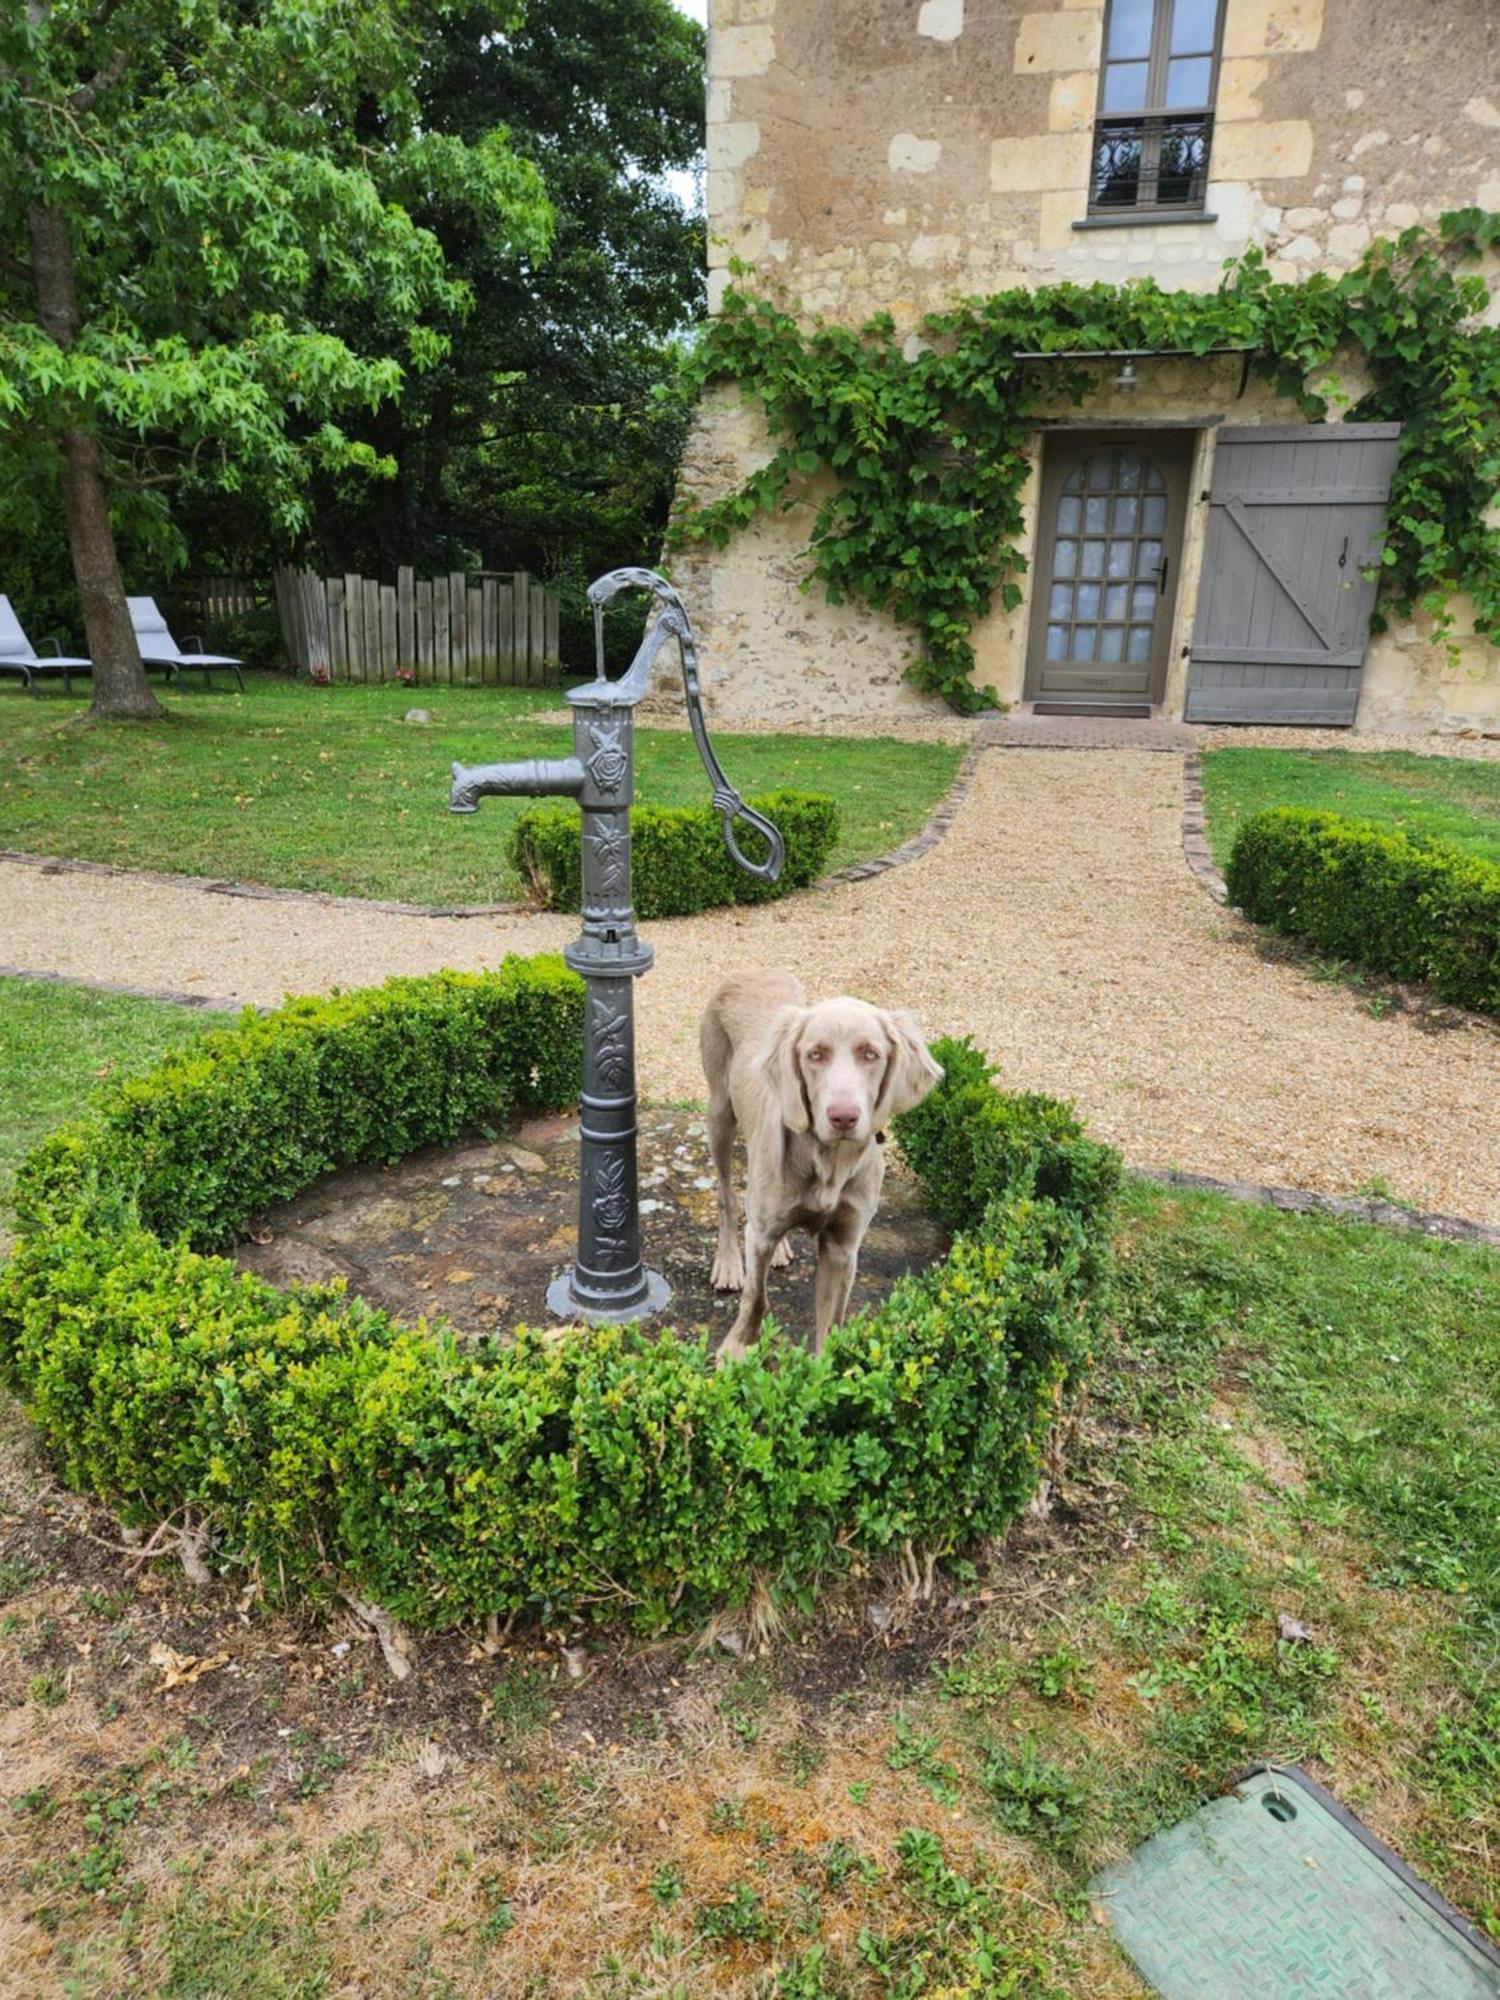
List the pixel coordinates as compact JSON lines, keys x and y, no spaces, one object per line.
{"x":777,"y":1063}
{"x":911,"y":1072}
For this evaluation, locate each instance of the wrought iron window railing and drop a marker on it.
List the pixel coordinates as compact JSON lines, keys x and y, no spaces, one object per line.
{"x":1156,"y":165}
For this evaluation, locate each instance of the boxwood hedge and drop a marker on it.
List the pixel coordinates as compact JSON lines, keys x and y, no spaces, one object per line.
{"x":679,"y":863}
{"x":567,"y":1470}
{"x":1416,"y":908}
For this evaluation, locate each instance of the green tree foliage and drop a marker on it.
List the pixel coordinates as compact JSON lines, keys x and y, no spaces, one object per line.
{"x":548,"y":437}
{"x":930,"y":453}
{"x":191,"y":192}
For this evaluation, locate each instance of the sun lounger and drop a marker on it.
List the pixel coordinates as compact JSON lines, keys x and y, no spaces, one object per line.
{"x":160,"y":649}
{"x":19,"y":656}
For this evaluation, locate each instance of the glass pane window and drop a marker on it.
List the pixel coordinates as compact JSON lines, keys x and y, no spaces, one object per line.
{"x":1102,"y":600}
{"x":1130,"y":27}
{"x":1193,"y":25}
{"x":1125,"y":86}
{"x":1188,"y":80}
{"x":1156,"y":91}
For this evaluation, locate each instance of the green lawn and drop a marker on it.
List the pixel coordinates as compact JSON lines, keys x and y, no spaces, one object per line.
{"x":1448,"y":798}
{"x":311,"y":788}
{"x":57,"y":1043}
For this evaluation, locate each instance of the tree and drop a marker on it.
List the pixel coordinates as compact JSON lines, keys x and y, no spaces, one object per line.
{"x":191,"y":193}
{"x":549,"y":436}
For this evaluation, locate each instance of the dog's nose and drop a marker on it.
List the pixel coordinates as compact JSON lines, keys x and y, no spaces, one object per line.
{"x":843,"y":1117}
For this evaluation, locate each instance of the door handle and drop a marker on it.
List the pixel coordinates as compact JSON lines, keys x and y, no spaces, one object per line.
{"x":1161,"y":574}
{"x":1344,"y":553}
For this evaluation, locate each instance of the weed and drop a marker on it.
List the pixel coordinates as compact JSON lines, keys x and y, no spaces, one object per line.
{"x":841,"y":1860}
{"x":982,"y":1680}
{"x":740,"y":1917}
{"x":1035,"y":1797}
{"x":666,"y":1884}
{"x":726,"y":1816}
{"x":49,"y":1689}
{"x":109,"y":1605}
{"x":1063,"y":1676}
{"x":919,"y":1753}
{"x":325,"y":1764}
{"x":18,"y":1571}
{"x":519,"y":1703}
{"x":799,"y":1759}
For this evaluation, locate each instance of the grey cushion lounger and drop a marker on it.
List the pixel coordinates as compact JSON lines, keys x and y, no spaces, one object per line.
{"x":160,"y":649}
{"x":19,"y":656}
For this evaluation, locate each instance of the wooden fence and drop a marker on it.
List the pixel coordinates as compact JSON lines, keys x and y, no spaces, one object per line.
{"x":222,"y":599}
{"x":496,"y":629}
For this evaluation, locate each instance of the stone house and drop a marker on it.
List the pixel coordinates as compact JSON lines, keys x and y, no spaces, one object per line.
{"x":1194,"y":545}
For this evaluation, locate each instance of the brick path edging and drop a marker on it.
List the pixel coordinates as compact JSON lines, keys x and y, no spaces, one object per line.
{"x":1351,"y":1208}
{"x":209,"y":885}
{"x":1195,"y":848}
{"x":204,"y":1002}
{"x":920,"y":843}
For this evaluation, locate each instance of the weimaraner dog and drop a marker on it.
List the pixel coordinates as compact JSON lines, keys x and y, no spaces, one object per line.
{"x":812,"y":1089}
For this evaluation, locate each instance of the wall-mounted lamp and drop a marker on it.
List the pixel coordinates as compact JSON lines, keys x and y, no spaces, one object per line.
{"x":1127,"y":379}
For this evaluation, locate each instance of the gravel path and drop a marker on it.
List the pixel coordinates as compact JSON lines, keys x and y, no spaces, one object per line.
{"x":1057,"y":923}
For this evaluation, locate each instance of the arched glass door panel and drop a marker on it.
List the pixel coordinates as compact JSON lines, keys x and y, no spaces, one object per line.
{"x":1106,"y":552}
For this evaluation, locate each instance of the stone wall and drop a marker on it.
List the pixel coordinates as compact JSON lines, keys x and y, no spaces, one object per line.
{"x":888,"y":155}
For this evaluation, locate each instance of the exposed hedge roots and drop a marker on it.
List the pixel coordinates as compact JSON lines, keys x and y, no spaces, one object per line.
{"x":601,"y":1472}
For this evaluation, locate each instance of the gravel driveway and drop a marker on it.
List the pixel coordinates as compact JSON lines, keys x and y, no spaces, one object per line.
{"x":1057,"y":923}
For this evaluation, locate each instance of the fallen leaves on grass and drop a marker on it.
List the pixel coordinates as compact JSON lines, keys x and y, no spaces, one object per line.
{"x":181,"y":1669}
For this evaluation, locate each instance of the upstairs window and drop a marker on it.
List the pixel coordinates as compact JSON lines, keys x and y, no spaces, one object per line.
{"x":1156,"y":101}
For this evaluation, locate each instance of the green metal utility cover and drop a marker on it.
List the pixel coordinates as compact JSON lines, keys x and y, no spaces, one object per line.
{"x":1277,"y":1890}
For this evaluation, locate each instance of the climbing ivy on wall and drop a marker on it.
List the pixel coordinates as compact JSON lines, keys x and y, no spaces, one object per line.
{"x":928,"y":452}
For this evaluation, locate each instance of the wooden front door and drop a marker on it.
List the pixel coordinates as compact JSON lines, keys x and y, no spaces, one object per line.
{"x":1109,"y":539}
{"x":1295,"y":523}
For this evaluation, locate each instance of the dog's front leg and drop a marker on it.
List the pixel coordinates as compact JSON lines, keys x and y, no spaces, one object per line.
{"x":838,"y":1262}
{"x":760,"y":1246}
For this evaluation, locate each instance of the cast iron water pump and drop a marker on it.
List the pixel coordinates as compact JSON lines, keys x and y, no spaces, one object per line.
{"x":609,"y":1281}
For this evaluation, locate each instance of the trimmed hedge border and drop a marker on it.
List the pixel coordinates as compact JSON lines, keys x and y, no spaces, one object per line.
{"x":679,"y":863}
{"x":1415,"y":908}
{"x":592,"y":1471}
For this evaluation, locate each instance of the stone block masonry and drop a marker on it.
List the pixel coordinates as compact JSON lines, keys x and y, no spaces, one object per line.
{"x":890,"y":155}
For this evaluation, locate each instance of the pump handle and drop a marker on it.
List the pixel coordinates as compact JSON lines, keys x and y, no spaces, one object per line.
{"x":672,"y":621}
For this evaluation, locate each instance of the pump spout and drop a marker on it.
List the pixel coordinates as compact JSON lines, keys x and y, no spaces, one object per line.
{"x":537,"y":776}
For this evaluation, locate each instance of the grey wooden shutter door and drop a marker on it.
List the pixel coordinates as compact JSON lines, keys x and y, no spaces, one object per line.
{"x":1296,"y":515}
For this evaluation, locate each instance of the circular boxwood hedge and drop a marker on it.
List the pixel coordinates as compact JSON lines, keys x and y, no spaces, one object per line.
{"x":602,"y":1470}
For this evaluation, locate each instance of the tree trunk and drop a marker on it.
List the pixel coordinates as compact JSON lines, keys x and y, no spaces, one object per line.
{"x":121,"y":690}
